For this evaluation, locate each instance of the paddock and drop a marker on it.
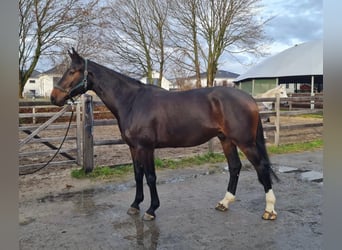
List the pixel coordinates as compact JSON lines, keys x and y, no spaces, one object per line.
{"x":56,"y":212}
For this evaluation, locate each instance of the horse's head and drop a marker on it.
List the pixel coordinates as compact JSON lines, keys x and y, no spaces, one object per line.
{"x":281,"y":90}
{"x":73,"y":81}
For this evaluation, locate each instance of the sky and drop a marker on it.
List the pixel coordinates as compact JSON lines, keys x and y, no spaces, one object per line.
{"x":294,"y":22}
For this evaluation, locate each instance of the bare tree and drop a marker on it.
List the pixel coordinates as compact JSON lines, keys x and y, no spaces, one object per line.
{"x":229,"y":26}
{"x":185,"y":36}
{"x":43,"y":26}
{"x":135,"y":35}
{"x":207,"y":29}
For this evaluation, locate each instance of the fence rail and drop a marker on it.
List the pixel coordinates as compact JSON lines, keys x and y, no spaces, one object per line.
{"x":81,"y":140}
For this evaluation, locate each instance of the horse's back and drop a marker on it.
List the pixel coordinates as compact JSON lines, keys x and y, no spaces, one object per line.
{"x":189,"y":118}
{"x":203,"y":102}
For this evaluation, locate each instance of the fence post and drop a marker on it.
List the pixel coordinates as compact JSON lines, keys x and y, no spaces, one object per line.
{"x":312,"y":101}
{"x":78,"y":133}
{"x":34,"y":114}
{"x":277,"y":120}
{"x":210,"y":146}
{"x":88,"y":142}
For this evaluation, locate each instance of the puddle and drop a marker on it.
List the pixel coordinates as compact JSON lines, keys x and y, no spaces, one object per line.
{"x":312,"y":176}
{"x":305,"y":174}
{"x":289,"y":169}
{"x":143,"y":234}
{"x":68,"y":196}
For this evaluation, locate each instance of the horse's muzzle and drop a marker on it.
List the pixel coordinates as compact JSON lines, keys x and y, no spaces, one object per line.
{"x":56,"y":102}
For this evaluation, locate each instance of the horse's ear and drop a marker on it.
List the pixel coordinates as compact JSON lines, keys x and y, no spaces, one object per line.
{"x":74,"y":51}
{"x":73,"y":54}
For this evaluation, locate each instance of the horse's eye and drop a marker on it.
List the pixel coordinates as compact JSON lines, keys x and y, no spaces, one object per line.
{"x":72,"y":71}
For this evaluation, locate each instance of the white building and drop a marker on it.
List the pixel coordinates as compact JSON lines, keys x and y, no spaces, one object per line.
{"x":41,"y":84}
{"x":222,"y":78}
{"x":31,"y":87}
{"x":165,"y":84}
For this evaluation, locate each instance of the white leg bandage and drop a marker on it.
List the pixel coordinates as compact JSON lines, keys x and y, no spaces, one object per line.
{"x":270,"y":201}
{"x":228,"y":198}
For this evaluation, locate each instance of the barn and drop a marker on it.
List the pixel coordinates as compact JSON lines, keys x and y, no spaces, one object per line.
{"x":300,"y":68}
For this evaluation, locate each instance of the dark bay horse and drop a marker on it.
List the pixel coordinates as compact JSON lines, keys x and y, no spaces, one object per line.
{"x":150,"y":117}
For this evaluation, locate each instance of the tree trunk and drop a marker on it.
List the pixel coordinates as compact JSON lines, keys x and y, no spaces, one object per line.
{"x":210,"y":75}
{"x":211,"y":72}
{"x":20,"y":91}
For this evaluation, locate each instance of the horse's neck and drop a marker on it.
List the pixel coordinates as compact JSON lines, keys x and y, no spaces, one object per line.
{"x":269,"y":93}
{"x":115,"y":90}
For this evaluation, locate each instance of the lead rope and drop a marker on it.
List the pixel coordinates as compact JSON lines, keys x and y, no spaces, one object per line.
{"x":59,"y":148}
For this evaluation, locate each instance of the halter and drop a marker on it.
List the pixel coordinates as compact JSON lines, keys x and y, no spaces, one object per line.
{"x":83,"y":83}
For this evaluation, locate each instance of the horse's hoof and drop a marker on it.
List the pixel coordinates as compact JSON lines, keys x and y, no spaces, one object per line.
{"x":269,"y":215}
{"x":220,"y":207}
{"x":133,"y":211}
{"x":148,"y":217}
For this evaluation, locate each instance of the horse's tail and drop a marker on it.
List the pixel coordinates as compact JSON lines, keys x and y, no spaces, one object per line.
{"x":261,"y":146}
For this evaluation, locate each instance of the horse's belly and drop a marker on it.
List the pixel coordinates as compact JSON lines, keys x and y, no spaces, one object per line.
{"x":187,"y":138}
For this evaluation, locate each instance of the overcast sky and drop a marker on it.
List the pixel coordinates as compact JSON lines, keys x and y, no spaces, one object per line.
{"x":294,"y":22}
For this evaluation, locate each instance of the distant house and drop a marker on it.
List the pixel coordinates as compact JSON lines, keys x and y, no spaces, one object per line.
{"x":41,"y":84}
{"x":31,"y":88}
{"x":222,"y":78}
{"x":165,"y":84}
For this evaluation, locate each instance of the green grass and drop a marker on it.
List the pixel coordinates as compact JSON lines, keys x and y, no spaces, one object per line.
{"x":102,"y":172}
{"x":119,"y":171}
{"x":295,"y":147}
{"x":315,"y":115}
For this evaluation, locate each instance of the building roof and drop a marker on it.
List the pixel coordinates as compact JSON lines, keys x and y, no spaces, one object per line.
{"x":57,"y":70}
{"x":304,"y":59}
{"x":219,"y":74}
{"x":35,"y":74}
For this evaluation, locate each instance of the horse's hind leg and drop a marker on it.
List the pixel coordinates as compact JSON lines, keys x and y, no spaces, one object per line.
{"x":263,"y":168}
{"x":234,"y":165}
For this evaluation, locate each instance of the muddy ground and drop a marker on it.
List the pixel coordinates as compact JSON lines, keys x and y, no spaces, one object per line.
{"x":57,"y":212}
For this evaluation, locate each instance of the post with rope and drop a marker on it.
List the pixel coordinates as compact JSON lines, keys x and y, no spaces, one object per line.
{"x":88,"y":141}
{"x":79,"y":130}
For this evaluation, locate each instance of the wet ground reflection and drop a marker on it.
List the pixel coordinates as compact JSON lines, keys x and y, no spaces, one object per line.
{"x":132,"y":229}
{"x":146,"y":233}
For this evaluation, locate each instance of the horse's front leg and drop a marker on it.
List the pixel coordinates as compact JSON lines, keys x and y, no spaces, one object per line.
{"x":145,"y":158}
{"x":139,"y":193}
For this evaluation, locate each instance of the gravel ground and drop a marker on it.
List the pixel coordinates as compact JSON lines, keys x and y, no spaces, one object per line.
{"x":57,"y":212}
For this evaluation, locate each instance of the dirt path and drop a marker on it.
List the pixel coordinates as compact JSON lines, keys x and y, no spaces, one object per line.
{"x":73,"y":214}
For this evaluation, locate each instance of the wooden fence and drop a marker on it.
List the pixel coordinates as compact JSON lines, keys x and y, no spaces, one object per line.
{"x":291,"y":104}
{"x":36,"y":142}
{"x":80,"y":141}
